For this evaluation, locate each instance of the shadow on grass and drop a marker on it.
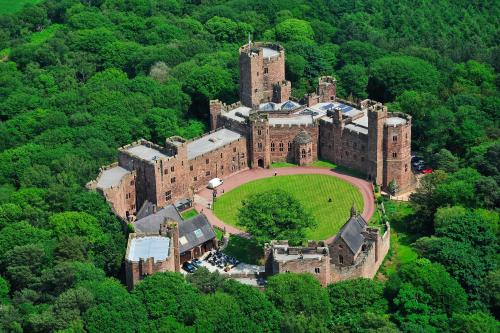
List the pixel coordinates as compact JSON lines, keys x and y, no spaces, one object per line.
{"x":244,"y":249}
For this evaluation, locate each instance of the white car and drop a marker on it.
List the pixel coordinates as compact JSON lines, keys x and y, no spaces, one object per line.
{"x":213,"y":183}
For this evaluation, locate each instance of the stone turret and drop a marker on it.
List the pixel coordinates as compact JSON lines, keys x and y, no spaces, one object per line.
{"x":303,"y":148}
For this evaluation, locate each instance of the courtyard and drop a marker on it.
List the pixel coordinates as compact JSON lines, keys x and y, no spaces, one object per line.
{"x":313,"y":187}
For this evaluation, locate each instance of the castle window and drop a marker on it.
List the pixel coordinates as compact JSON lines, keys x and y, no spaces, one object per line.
{"x":234,"y":150}
{"x":272,"y":146}
{"x":195,"y":178}
{"x":191,"y":168}
{"x":266,"y":70}
{"x":165,"y":171}
{"x":341,"y":259}
{"x":309,"y":152}
{"x":282,"y":146}
{"x":406,"y":167}
{"x":289,"y":146}
{"x":317,"y":270}
{"x":172,"y":180}
{"x":168,"y":195}
{"x":257,"y":73}
{"x":172,"y":169}
{"x":133,"y":207}
{"x":234,"y":158}
{"x":222,"y":167}
{"x":303,"y":153}
{"x":259,"y":145}
{"x":347,"y":153}
{"x":394,"y":138}
{"x":220,"y":155}
{"x":363,"y":248}
{"x":255,"y":90}
{"x":207,"y":161}
{"x":207,"y":173}
{"x":132,"y":182}
{"x":394,"y":154}
{"x":242,"y":155}
{"x":259,"y":132}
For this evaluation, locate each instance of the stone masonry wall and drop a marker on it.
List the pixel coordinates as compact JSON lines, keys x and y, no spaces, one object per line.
{"x":284,"y":135}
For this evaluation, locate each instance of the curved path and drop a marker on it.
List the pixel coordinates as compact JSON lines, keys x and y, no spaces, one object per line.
{"x":204,"y":196}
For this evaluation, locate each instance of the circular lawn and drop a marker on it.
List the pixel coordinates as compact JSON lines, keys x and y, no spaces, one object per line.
{"x":313,"y":192}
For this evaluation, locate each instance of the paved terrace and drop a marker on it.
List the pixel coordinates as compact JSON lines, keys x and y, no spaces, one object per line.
{"x":204,"y":196}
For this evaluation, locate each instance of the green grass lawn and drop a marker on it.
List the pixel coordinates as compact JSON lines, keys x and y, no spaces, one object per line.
{"x":12,"y":6}
{"x":330,"y":165}
{"x":189,"y":214}
{"x":312,"y":191}
{"x":282,"y":165}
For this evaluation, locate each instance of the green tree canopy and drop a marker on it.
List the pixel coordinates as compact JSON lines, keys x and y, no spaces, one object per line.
{"x":275,"y":214}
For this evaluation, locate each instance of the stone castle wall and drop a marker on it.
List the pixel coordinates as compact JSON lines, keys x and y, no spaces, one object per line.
{"x":282,"y":136}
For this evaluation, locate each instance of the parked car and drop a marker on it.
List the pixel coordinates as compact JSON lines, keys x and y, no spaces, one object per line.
{"x":418,"y":163}
{"x":196,"y":262}
{"x":427,"y":171}
{"x":261,"y":281}
{"x":213,"y":183}
{"x":188,"y":267}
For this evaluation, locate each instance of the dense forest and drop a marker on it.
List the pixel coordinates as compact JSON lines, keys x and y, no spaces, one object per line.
{"x":80,"y":78}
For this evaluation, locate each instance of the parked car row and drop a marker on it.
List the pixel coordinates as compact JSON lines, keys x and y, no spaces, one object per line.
{"x":222,"y":260}
{"x":215,"y":258}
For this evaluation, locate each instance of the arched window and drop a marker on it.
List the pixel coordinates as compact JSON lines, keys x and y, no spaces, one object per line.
{"x":341,"y":259}
{"x":282,"y":146}
{"x":289,"y":146}
{"x":272,"y":146}
{"x":303,"y":153}
{"x":394,"y":154}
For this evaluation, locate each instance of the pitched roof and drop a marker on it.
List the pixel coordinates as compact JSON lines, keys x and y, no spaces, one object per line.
{"x":152,"y":223}
{"x":351,"y":232}
{"x":194,"y":232}
{"x":302,"y":138}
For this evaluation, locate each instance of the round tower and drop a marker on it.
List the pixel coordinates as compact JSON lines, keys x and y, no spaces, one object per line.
{"x":303,"y":148}
{"x":262,"y":66}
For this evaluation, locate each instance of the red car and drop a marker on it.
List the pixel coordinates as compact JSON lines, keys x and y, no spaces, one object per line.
{"x":426,"y":171}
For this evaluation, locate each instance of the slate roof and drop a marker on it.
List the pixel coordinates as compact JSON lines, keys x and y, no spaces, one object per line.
{"x":302,"y":138}
{"x":194,"y":232}
{"x":151,"y":223}
{"x":210,"y":142}
{"x":351,"y":232}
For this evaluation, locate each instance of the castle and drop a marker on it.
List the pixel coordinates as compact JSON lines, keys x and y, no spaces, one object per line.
{"x":266,"y":126}
{"x":356,"y":251}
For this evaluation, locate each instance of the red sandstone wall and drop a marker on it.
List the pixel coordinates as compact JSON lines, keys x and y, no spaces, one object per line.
{"x":285,"y":134}
{"x":397,"y":140}
{"x":344,"y":147}
{"x":123,"y":197}
{"x":306,"y":266}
